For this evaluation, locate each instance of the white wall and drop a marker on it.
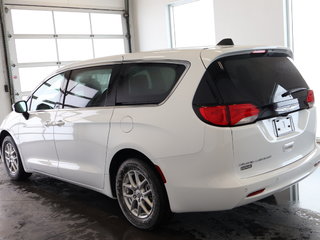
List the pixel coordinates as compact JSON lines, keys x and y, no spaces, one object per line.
{"x":150,"y":24}
{"x":5,"y":102}
{"x":250,"y":22}
{"x":258,"y":22}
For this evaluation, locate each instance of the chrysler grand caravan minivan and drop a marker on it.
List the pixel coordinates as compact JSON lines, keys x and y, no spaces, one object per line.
{"x":169,"y":131}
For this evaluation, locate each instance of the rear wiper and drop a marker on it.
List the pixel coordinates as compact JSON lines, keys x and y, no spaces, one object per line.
{"x":294,"y":90}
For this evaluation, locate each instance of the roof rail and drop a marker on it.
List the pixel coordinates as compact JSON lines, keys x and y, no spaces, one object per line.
{"x":226,"y":42}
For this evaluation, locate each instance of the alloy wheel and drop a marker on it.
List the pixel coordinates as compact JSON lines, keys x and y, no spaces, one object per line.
{"x":11,"y":158}
{"x":137,"y":194}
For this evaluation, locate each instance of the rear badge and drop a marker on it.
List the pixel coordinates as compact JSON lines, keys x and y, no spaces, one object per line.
{"x":245,"y":167}
{"x":248,"y":165}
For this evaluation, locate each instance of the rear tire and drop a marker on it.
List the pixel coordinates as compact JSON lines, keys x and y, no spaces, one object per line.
{"x":141,"y":194}
{"x":12,"y":160}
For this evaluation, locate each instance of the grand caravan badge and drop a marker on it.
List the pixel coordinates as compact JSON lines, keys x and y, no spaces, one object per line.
{"x":248,"y":165}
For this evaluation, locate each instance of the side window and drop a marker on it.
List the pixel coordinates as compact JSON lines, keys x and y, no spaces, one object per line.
{"x":48,"y":95}
{"x":88,"y":87}
{"x":147,"y":83}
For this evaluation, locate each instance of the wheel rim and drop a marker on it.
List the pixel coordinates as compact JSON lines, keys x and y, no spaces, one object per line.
{"x":137,"y":194}
{"x":11,"y":158}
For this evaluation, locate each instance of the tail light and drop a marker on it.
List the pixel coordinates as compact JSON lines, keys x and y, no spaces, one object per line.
{"x":230,"y":115}
{"x":310,"y":98}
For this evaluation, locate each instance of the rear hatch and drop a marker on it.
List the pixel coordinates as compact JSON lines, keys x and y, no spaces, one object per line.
{"x":266,"y":103}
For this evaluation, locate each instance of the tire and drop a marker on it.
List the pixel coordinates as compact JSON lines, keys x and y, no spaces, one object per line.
{"x":143,"y":202}
{"x":12,"y":160}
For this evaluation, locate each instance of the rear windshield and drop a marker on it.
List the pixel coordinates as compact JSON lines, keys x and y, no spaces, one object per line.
{"x":259,"y":79}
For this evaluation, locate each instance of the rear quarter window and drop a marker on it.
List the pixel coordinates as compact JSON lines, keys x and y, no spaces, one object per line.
{"x":147,"y":83}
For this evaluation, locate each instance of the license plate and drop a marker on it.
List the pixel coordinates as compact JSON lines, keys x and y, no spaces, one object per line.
{"x":283,"y":126}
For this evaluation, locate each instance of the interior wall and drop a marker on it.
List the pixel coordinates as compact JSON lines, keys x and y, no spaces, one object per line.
{"x":256,"y":22}
{"x":150,"y":24}
{"x":252,"y":22}
{"x":5,"y":102}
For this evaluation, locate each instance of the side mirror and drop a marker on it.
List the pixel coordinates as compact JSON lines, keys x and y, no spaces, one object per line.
{"x":21,"y":107}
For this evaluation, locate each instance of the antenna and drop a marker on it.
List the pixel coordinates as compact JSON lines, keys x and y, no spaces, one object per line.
{"x":226,"y":42}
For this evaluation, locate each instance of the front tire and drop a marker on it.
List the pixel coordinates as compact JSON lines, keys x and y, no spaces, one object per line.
{"x":141,"y":194}
{"x":12,"y":160}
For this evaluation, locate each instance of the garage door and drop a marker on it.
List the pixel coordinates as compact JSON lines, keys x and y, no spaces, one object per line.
{"x":42,"y":40}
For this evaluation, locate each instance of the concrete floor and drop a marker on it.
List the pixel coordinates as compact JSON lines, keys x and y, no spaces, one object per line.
{"x":43,"y":208}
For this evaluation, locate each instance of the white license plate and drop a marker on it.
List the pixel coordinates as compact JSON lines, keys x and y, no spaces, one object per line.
{"x":283,"y":126}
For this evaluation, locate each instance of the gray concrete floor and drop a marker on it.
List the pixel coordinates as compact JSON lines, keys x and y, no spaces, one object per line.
{"x":43,"y":208}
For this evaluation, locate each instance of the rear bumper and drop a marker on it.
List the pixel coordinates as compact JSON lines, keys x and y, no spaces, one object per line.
{"x":231,"y":191}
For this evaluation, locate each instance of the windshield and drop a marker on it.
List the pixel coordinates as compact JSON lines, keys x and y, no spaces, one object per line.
{"x":261,"y":80}
{"x":269,"y":81}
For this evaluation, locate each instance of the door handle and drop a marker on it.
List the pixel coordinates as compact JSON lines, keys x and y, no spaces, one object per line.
{"x":48,"y":124}
{"x":59,"y":123}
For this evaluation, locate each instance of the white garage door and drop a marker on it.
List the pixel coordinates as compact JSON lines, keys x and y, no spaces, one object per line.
{"x":41,"y":40}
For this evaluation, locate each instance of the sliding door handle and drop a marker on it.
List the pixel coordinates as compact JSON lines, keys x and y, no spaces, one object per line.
{"x":48,"y":124}
{"x":59,"y":123}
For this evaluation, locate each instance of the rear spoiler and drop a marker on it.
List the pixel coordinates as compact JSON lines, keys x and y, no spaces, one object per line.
{"x":210,"y":55}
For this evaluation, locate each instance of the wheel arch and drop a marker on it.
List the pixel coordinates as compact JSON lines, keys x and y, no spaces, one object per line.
{"x":3,"y":134}
{"x":122,"y":156}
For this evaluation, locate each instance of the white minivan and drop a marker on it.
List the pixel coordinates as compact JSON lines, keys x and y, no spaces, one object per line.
{"x":169,"y":131}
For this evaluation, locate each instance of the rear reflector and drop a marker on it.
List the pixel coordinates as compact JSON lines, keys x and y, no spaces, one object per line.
{"x":230,"y":115}
{"x":310,"y":98}
{"x":163,"y":178}
{"x":255,"y":193}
